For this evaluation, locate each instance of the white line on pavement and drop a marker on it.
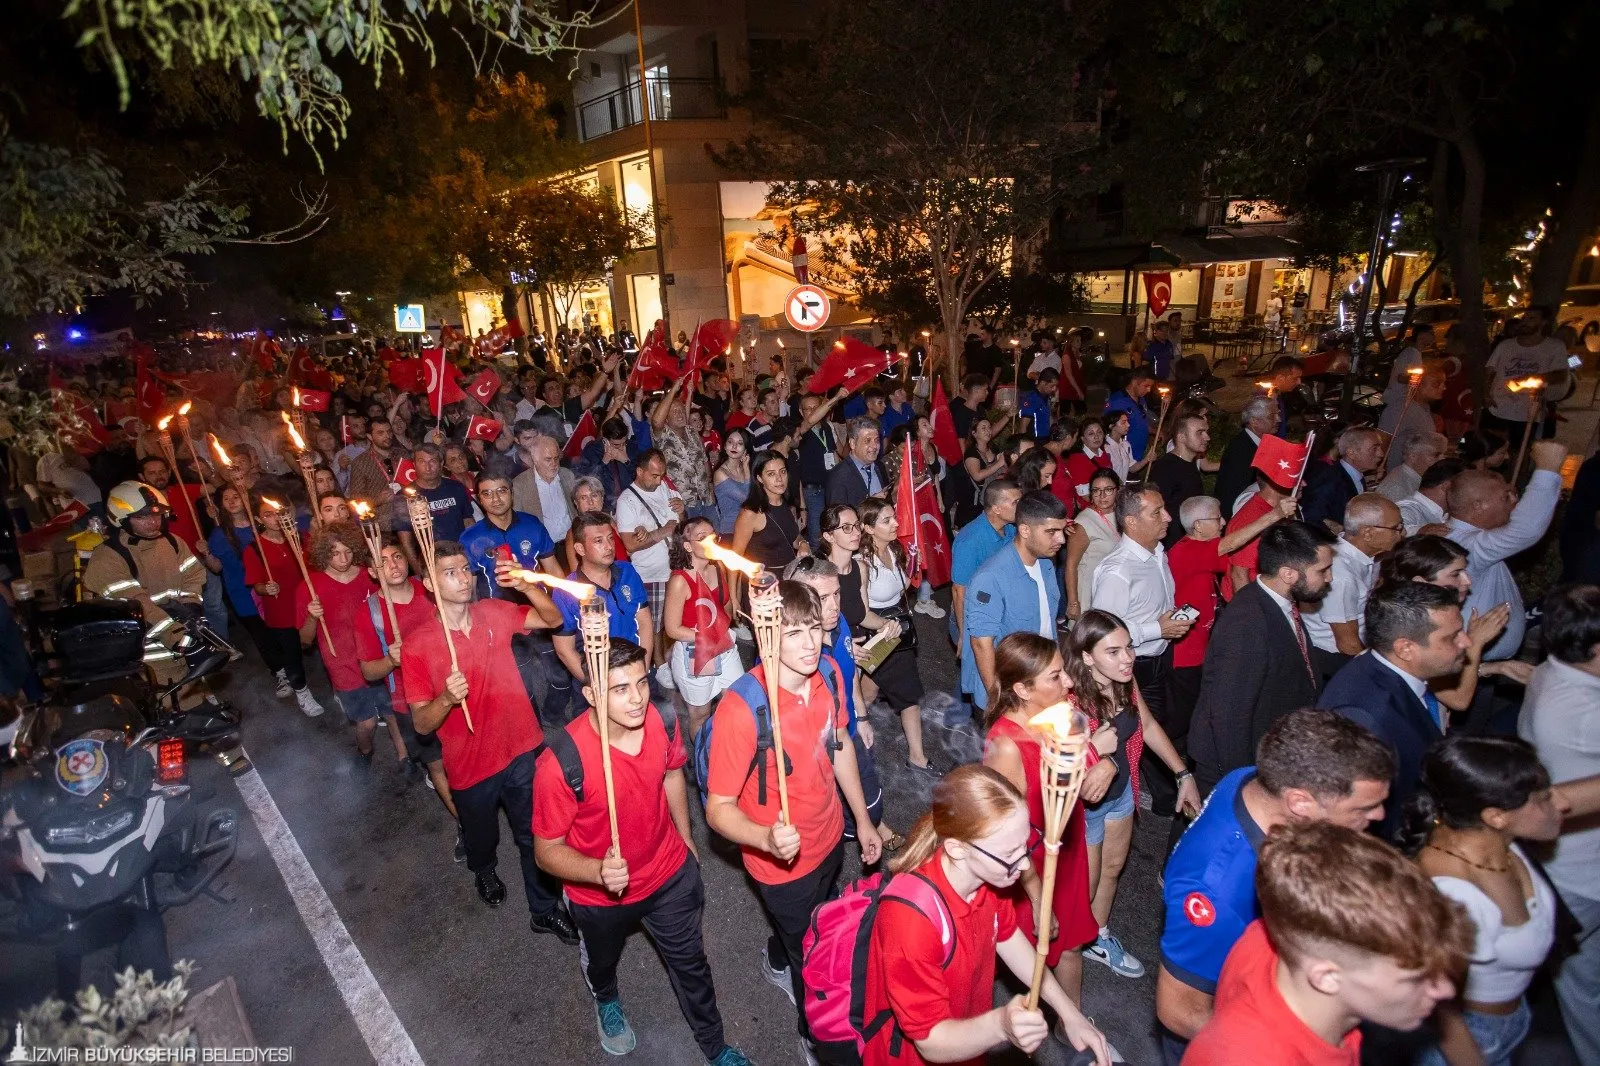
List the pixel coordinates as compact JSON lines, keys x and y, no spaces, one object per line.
{"x":380,"y":1027}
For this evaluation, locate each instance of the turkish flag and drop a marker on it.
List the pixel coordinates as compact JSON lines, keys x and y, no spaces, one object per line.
{"x":449,"y":335}
{"x":712,"y":339}
{"x":312,"y":399}
{"x":935,"y":539}
{"x":148,"y":393}
{"x":1280,"y":460}
{"x":921,"y":532}
{"x":656,"y":365}
{"x":344,"y":430}
{"x":265,"y":351}
{"x":1157,"y":292}
{"x":850,"y":363}
{"x":587,"y":431}
{"x":405,"y":473}
{"x":388,"y":355}
{"x":495,"y":341}
{"x":712,"y":635}
{"x":484,"y":387}
{"x":81,"y":427}
{"x":481,"y":428}
{"x":216,"y":386}
{"x":432,"y":375}
{"x":945,"y":440}
{"x":905,"y":512}
{"x":305,"y":370}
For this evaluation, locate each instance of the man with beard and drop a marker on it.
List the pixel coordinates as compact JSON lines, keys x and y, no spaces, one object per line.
{"x":372,"y":472}
{"x":1260,"y":665}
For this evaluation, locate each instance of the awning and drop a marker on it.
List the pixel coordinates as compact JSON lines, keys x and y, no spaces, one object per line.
{"x":1198,"y":251}
{"x":1090,"y":259}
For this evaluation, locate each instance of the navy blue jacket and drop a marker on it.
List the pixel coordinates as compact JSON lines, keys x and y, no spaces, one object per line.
{"x":1366,"y":691}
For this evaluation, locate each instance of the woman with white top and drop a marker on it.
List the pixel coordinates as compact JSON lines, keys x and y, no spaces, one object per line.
{"x":1094,"y":534}
{"x":1118,"y":426}
{"x":1478,"y":796}
{"x":884,"y":583}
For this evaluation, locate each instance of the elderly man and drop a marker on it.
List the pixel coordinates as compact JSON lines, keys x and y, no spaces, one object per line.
{"x":544,"y":490}
{"x":1425,"y":507}
{"x":1420,"y":452}
{"x":861,"y":474}
{"x":1135,"y":584}
{"x":1371,"y":527}
{"x":1417,"y":415}
{"x":1330,"y":488}
{"x":1493,"y":525}
{"x":1234,"y":476}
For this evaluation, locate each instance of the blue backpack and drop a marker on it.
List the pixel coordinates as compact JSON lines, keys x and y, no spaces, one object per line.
{"x":754,"y":693}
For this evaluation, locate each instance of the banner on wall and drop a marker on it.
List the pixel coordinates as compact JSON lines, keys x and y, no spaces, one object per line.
{"x":1229,"y":288}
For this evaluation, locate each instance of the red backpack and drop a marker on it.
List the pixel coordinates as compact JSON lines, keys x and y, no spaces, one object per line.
{"x":834,"y":964}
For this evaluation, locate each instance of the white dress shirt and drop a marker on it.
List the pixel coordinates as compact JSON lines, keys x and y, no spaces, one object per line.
{"x":553,"y":508}
{"x":1354,"y":571}
{"x":1135,"y":584}
{"x":1417,"y":511}
{"x":1488,"y":550}
{"x":1561,"y":719}
{"x":1283,"y":603}
{"x":1418,"y":687}
{"x":1401,"y":482}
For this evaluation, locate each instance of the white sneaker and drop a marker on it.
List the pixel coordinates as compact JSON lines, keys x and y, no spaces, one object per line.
{"x":284,"y":691}
{"x":929,"y":608}
{"x":664,"y":676}
{"x":308,"y":703}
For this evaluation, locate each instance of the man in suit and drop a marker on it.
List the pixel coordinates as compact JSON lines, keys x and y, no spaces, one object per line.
{"x":1329,"y":487}
{"x":1260,"y":665}
{"x":1234,"y":475}
{"x":861,"y":474}
{"x":1415,"y":634}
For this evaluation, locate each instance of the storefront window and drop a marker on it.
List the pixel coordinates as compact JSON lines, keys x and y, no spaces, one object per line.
{"x":636,"y":194}
{"x":646,"y":302}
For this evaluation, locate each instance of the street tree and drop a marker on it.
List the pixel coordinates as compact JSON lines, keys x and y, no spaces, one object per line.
{"x":924,"y":147}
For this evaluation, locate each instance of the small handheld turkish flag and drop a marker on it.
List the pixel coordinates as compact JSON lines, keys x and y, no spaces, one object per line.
{"x":314,"y":399}
{"x":484,"y":387}
{"x":405,"y":473}
{"x":850,"y":363}
{"x":712,"y":633}
{"x":945,"y":441}
{"x":481,"y":428}
{"x":1280,"y":460}
{"x":586,"y":431}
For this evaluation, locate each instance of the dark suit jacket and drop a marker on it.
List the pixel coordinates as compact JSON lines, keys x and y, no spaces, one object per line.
{"x":1367,"y":691}
{"x":1235,"y":474}
{"x":845,"y":484}
{"x":1328,"y":489}
{"x":1254,"y":675}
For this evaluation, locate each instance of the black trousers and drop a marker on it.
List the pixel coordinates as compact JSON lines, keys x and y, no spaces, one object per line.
{"x":789,"y":908}
{"x":1154,"y":675}
{"x":479,"y":808}
{"x":280,"y":648}
{"x":871,"y":789}
{"x":671,"y":915}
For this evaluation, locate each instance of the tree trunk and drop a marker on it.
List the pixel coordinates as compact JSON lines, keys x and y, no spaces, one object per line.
{"x":1466,"y":258}
{"x":1573,"y":221}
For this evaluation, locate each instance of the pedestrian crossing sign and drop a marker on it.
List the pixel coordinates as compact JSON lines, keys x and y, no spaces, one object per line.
{"x":408,"y":318}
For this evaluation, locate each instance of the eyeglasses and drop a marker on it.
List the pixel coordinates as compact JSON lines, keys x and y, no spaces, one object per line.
{"x":849,"y":527}
{"x":1010,"y":867}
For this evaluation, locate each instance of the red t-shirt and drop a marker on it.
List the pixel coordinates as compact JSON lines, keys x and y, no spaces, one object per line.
{"x":1061,"y":485}
{"x":904,"y":973}
{"x":1195,"y":567}
{"x":1251,"y":1024}
{"x":344,"y":610}
{"x":1251,"y":510}
{"x":276,"y":611}
{"x":737,"y":420}
{"x":807,"y":724}
{"x":650,"y":842}
{"x":410,"y":615}
{"x":1081,"y":469}
{"x":502,"y":714}
{"x":181,"y":524}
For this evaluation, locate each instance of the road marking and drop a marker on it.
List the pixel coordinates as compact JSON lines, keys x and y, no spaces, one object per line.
{"x":380,"y":1027}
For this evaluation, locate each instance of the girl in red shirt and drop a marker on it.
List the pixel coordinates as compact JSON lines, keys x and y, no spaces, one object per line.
{"x":275,"y":602}
{"x":971,"y":846}
{"x":1031,"y":676}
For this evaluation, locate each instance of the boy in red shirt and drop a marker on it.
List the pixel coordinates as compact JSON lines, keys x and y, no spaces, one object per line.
{"x":654,"y":878}
{"x":275,"y":602}
{"x":490,"y":765}
{"x":329,"y":612}
{"x":795,"y":867}
{"x":1350,"y":931}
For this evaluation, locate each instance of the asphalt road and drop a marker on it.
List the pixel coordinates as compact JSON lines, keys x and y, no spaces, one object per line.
{"x":427,"y":973}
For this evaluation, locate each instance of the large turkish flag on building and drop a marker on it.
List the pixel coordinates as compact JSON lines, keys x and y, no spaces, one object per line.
{"x":1158,"y":292}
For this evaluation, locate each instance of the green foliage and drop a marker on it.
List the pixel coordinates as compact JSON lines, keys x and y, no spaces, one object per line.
{"x":286,"y":49}
{"x":68,"y":230}
{"x":141,"y":1013}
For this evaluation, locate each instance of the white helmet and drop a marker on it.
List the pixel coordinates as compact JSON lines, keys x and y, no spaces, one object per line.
{"x":134,"y":497}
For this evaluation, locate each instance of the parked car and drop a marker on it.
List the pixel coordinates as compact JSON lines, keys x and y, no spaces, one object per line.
{"x":1580,"y":309}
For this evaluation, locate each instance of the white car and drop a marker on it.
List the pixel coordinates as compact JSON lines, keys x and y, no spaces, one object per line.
{"x":1580,"y":309}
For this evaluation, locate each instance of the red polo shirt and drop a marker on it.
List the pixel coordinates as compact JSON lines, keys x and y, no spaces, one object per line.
{"x":1195,"y":568}
{"x":276,"y":611}
{"x":411,"y":616}
{"x":344,"y":613}
{"x":1251,"y":510}
{"x":650,"y":842}
{"x":1252,"y":1025}
{"x":502,"y":714}
{"x":904,"y":973}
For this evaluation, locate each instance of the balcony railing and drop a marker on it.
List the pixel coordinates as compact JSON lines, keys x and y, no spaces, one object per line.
{"x":670,"y":98}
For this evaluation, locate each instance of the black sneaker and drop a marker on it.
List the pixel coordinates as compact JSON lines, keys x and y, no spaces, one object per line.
{"x":461,"y":844}
{"x":558,"y":923}
{"x":491,"y":889}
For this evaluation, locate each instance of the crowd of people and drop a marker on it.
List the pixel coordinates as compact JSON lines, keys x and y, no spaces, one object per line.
{"x":1310,"y":657}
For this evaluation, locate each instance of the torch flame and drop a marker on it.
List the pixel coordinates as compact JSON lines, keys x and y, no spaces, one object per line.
{"x":1415,"y":374}
{"x":1163,"y":390}
{"x":363,"y":509}
{"x":732,"y":560}
{"x":220,"y":452}
{"x":1269,"y":386}
{"x":274,"y":504}
{"x":294,"y":434}
{"x":576,"y":589}
{"x":1061,"y":722}
{"x":164,"y":423}
{"x":296,"y":395}
{"x":184,"y":410}
{"x":1527,"y":383}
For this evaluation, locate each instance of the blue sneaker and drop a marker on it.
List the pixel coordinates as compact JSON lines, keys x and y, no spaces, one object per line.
{"x":729,"y":1056}
{"x":616,"y":1035}
{"x":1108,"y":951}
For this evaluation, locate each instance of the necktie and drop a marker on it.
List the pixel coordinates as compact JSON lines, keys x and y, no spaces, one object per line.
{"x":1431,"y":702}
{"x":1300,"y":639}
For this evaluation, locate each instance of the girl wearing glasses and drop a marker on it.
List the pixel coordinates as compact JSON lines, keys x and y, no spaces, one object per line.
{"x":971,"y":847}
{"x":1090,"y":538}
{"x":1031,"y":675}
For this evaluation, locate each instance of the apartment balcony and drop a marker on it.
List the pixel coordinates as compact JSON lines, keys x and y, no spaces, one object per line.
{"x":670,"y":98}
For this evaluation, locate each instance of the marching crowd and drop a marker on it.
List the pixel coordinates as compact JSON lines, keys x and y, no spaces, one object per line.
{"x":1314,"y":668}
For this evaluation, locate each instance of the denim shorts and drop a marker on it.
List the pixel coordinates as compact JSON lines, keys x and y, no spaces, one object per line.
{"x":1109,"y":809}
{"x":365,"y":703}
{"x":1497,"y":1036}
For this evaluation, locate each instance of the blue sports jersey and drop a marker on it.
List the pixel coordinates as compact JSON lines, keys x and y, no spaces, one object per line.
{"x":623,"y":600}
{"x":527,"y":538}
{"x":1035,"y":414}
{"x":1211,"y":886}
{"x":839,"y":648}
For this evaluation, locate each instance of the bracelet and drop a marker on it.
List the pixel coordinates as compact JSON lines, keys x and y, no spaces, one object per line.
{"x":1181,"y":774}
